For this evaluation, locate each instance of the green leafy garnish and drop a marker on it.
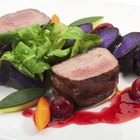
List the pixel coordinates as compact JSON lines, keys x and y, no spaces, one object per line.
{"x":34,"y":48}
{"x":86,"y":20}
{"x":8,"y":37}
{"x":21,"y":97}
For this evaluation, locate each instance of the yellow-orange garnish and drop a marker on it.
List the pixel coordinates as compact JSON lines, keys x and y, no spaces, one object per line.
{"x":55,"y":19}
{"x":42,"y":114}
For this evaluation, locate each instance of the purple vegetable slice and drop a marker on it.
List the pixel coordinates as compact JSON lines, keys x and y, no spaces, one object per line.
{"x":126,"y":51}
{"x":136,"y":63}
{"x":18,"y":80}
{"x":5,"y":67}
{"x":4,"y":48}
{"x":4,"y":72}
{"x":88,"y":27}
{"x":130,"y":41}
{"x":13,"y":78}
{"x":111,"y":38}
{"x":70,"y":42}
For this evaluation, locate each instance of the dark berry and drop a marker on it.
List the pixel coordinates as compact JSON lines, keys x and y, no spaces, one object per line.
{"x":102,"y":26}
{"x":61,"y":107}
{"x":135,"y":90}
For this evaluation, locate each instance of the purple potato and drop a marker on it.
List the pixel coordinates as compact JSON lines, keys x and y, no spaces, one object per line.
{"x":4,"y":48}
{"x":126,"y":62}
{"x":111,"y":38}
{"x":87,"y":28}
{"x":130,"y":41}
{"x":126,"y":51}
{"x":4,"y":72}
{"x":5,"y":66}
{"x":136,"y":63}
{"x":18,"y":80}
{"x":70,"y":42}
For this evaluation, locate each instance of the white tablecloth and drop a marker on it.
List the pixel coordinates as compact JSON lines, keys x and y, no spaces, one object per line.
{"x":132,"y":2}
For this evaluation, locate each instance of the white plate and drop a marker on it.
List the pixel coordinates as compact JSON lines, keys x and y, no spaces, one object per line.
{"x":16,"y":127}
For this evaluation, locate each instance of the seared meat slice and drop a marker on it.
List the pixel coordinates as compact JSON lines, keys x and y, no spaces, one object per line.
{"x":88,"y":78}
{"x":22,"y":19}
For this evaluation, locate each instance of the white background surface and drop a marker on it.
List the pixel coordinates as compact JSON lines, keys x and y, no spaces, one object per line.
{"x":131,"y":2}
{"x":126,"y":18}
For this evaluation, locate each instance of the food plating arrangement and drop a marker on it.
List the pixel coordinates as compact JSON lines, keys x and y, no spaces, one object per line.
{"x":60,"y":71}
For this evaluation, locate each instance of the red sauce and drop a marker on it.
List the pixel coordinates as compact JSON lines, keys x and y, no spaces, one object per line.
{"x":28,"y":113}
{"x":122,"y":109}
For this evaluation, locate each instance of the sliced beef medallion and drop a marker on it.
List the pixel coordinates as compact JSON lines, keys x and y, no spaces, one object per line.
{"x":88,"y":78}
{"x":21,"y":19}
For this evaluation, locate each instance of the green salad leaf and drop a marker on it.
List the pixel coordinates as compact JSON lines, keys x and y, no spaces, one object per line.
{"x":73,"y":33}
{"x":89,"y":41}
{"x":56,"y":35}
{"x":75,"y":48}
{"x":59,"y":53}
{"x":30,"y":32}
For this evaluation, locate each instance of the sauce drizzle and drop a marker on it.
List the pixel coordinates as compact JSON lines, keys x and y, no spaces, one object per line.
{"x":28,"y":113}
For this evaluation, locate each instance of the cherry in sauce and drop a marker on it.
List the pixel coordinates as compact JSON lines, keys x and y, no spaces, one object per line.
{"x":61,"y":107}
{"x":135,"y":90}
{"x":122,"y":109}
{"x":102,"y":26}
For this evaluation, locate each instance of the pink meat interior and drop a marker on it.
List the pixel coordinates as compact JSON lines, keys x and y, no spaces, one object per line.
{"x":22,"y":19}
{"x":93,"y":63}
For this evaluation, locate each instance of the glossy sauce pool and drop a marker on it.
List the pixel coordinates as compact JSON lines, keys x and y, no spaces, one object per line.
{"x":121,"y":109}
